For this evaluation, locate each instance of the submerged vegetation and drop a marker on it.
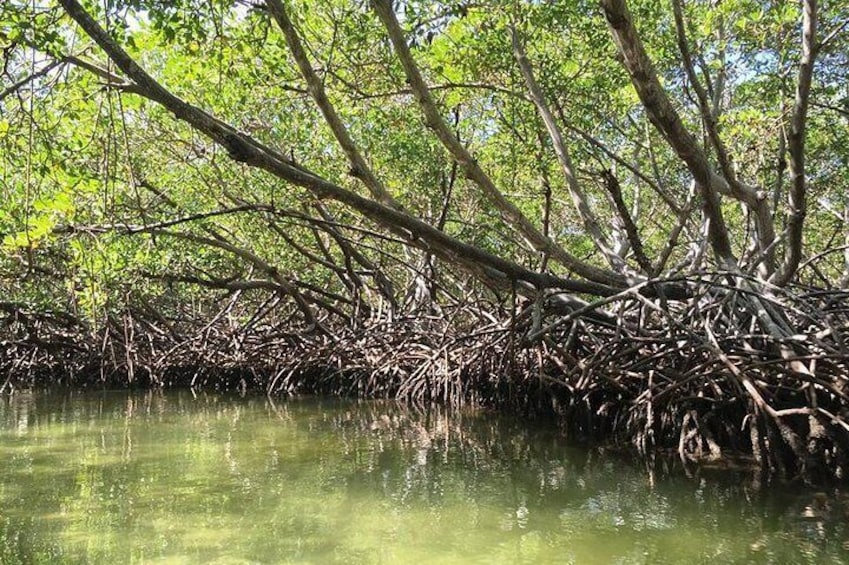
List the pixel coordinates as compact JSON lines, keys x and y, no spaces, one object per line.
{"x":630,"y":215}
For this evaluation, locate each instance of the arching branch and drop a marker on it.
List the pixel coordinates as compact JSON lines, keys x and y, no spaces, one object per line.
{"x":242,"y":148}
{"x":470,"y":166}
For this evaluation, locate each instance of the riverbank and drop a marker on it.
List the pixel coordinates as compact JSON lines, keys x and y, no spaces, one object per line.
{"x":659,"y":377}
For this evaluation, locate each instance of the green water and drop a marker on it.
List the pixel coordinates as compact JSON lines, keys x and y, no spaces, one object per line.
{"x":174,"y":478}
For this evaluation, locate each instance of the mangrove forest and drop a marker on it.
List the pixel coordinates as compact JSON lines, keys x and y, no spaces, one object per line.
{"x":630,"y":217}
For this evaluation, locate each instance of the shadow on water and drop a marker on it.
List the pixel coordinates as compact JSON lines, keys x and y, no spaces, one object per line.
{"x":177,"y":478}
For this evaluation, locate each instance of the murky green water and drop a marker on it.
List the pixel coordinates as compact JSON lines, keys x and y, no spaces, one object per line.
{"x":170,"y":478}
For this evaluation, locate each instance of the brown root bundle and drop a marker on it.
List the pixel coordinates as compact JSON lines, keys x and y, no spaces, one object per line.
{"x":726,"y":370}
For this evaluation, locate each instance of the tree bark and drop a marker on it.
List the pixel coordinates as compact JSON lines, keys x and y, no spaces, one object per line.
{"x":797,"y":198}
{"x":667,"y":121}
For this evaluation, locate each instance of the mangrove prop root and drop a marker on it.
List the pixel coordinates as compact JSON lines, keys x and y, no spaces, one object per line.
{"x":704,"y":376}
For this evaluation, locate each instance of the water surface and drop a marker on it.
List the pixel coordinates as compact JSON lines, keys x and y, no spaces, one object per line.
{"x":177,"y":478}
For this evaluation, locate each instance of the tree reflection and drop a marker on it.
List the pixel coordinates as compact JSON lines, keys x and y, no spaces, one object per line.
{"x":137,"y":477}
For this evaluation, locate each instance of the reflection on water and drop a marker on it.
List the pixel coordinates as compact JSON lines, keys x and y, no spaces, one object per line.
{"x":174,"y":478}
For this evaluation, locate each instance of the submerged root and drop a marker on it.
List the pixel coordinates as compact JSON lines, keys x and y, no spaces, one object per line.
{"x":721,"y":370}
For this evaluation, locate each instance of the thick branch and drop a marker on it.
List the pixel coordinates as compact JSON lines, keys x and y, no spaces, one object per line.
{"x":152,"y":228}
{"x":796,"y":145}
{"x":252,"y":258}
{"x":672,"y":239}
{"x":359,"y":167}
{"x":708,"y":117}
{"x":615,"y":190}
{"x":112,"y":81}
{"x":473,"y":171}
{"x":664,"y":117}
{"x":28,"y":79}
{"x":351,"y":252}
{"x":242,"y":148}
{"x":655,"y":186}
{"x":747,"y":194}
